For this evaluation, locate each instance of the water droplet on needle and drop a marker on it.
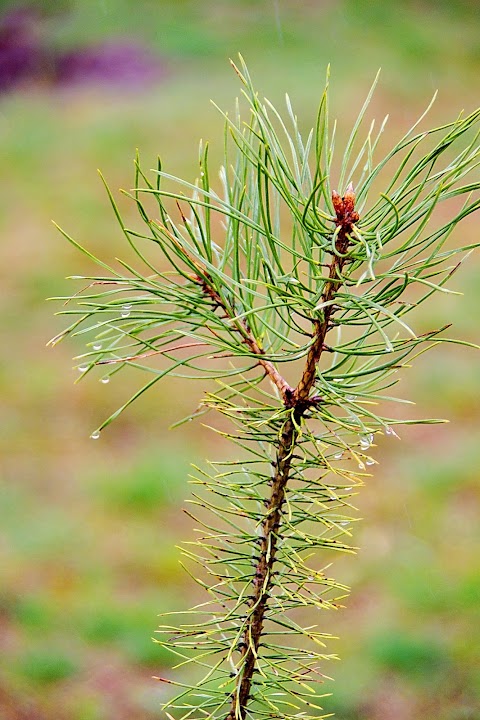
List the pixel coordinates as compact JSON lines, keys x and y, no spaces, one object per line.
{"x":390,"y":431}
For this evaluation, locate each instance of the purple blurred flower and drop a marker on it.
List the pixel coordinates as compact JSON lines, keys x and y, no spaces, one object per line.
{"x":112,"y":63}
{"x":26,"y":56}
{"x":22,"y":57}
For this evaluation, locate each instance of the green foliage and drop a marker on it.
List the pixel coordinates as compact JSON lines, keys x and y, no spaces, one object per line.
{"x":411,"y":656}
{"x":128,"y":628}
{"x":34,"y":613}
{"x":145,"y":487}
{"x":260,"y":272}
{"x":46,"y":666}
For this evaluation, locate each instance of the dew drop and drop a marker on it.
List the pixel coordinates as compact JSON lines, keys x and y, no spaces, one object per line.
{"x":370,"y":462}
{"x":390,"y":431}
{"x":105,"y":379}
{"x":370,"y":437}
{"x":82,"y":368}
{"x":97,"y":346}
{"x":361,"y":466}
{"x":338,"y":456}
{"x":202,"y":174}
{"x":337,"y":380}
{"x":344,"y":522}
{"x":365,"y":442}
{"x":95,"y":435}
{"x":126,"y":310}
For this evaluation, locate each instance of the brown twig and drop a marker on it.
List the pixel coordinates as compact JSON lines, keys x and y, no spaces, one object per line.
{"x":112,"y":361}
{"x":249,"y":340}
{"x":205,"y":281}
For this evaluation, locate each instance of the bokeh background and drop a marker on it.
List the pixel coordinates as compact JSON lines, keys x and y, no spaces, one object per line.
{"x":88,"y":530}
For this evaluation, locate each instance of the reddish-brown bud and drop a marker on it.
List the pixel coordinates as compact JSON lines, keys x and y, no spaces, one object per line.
{"x":349,"y":200}
{"x":337,"y":204}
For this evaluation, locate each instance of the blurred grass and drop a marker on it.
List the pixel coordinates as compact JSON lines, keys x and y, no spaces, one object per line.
{"x":88,"y":530}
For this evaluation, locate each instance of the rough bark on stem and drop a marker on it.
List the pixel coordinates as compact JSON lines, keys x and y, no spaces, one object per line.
{"x":263,"y":571}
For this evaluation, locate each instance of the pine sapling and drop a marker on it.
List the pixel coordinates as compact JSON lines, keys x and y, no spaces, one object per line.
{"x":286,"y":284}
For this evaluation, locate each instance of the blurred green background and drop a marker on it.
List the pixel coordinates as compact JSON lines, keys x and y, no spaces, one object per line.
{"x":88,"y":530}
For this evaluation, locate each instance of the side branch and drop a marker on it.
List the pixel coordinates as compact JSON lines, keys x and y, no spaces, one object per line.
{"x":203,"y":279}
{"x":247,"y":338}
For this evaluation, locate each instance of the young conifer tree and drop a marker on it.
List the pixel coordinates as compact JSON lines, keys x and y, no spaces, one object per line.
{"x":290,"y":287}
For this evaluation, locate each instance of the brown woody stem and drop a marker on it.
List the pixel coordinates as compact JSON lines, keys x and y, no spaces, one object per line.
{"x":298,"y":400}
{"x":263,"y":570}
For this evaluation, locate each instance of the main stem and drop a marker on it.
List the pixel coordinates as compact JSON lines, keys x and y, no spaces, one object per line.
{"x":263,"y":570}
{"x":299,"y":401}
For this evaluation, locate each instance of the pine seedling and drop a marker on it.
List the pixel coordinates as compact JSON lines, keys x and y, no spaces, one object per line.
{"x":288,"y":285}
